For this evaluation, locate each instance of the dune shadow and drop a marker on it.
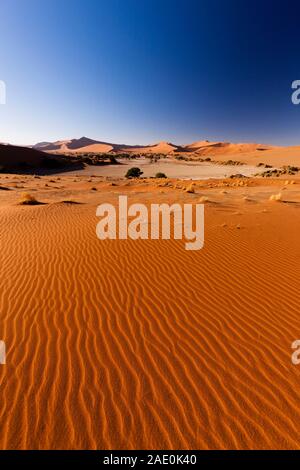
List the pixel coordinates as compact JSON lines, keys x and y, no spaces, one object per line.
{"x":48,"y":166}
{"x":69,"y":202}
{"x":32,"y":203}
{"x":293,"y":203}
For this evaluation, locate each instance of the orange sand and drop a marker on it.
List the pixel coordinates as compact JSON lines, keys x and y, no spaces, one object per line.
{"x":140,"y":344}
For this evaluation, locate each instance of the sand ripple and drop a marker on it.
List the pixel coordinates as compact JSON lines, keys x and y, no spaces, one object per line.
{"x":141,"y":344}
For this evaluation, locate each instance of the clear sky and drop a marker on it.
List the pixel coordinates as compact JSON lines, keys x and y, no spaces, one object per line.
{"x":141,"y":71}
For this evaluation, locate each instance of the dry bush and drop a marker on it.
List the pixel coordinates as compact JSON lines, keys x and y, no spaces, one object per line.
{"x":276,"y":197}
{"x":190,"y":189}
{"x":28,"y":200}
{"x":203,"y":199}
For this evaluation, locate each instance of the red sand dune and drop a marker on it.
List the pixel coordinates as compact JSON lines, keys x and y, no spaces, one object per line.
{"x":140,"y":344}
{"x":251,"y":153}
{"x":84,"y":144}
{"x":225,"y":148}
{"x":74,"y":145}
{"x":164,"y":148}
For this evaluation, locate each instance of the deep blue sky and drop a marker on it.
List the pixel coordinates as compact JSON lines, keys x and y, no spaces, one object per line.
{"x":141,"y":71}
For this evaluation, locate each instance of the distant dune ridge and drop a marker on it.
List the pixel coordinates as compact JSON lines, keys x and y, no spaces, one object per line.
{"x":74,"y":145}
{"x":85,"y":144}
{"x":250,"y":153}
{"x":204,"y":147}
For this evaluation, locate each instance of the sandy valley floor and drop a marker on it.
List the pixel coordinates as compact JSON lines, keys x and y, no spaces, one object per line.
{"x":141,"y":344}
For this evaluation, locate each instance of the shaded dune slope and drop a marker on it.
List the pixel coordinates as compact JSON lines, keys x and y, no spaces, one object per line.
{"x":11,"y":155}
{"x":18,"y":159}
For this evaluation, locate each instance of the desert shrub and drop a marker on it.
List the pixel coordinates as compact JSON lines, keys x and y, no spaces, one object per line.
{"x":112,"y":159}
{"x":160,"y":175}
{"x":190,"y":189}
{"x":28,"y":200}
{"x":134,"y":173}
{"x":276,"y":197}
{"x":237,"y":175}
